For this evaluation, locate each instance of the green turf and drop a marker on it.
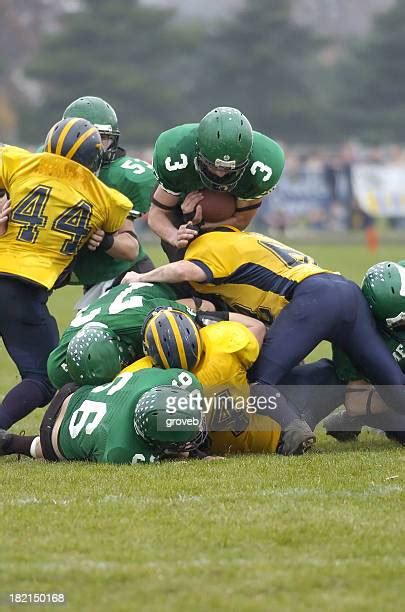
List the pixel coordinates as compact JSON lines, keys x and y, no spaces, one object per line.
{"x":323,"y":531}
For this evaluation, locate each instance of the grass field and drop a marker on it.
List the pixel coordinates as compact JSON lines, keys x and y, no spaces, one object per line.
{"x":324,"y":531}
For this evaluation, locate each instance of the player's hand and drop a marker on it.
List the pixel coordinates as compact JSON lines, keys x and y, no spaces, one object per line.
{"x":5,"y":208}
{"x":131,"y":277}
{"x":190,"y":202}
{"x":185,"y":234}
{"x":95,"y":239}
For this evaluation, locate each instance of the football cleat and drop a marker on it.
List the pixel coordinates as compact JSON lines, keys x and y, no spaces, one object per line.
{"x":343,"y":427}
{"x":296,"y":438}
{"x":5,"y":438}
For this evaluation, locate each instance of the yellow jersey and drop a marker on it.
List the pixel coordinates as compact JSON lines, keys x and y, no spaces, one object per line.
{"x":56,"y":204}
{"x":252,"y":273}
{"x":229,"y":349}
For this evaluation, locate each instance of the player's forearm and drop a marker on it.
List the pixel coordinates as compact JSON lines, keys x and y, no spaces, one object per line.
{"x":165,"y":274}
{"x":178,"y":271}
{"x":125,"y":247}
{"x":160,"y":224}
{"x":257,"y":328}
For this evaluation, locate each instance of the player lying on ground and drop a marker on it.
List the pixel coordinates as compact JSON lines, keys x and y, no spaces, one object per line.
{"x":383,"y":289}
{"x":96,"y":423}
{"x":221,"y":153}
{"x":140,"y":417}
{"x":307,"y":304}
{"x":119,"y":314}
{"x":56,"y":205}
{"x":219,"y":355}
{"x":97,"y":269}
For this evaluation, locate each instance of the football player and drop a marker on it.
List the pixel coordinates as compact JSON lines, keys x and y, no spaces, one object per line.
{"x":383,"y":289}
{"x":221,"y":153}
{"x":96,"y":269}
{"x":305,"y":303}
{"x":219,"y":353}
{"x":137,"y":418}
{"x":56,"y":204}
{"x":118,"y":315}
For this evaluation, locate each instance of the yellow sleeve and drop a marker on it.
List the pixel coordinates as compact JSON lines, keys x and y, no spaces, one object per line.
{"x":139,"y":364}
{"x":118,"y":209}
{"x":234,"y":338}
{"x":207,"y":253}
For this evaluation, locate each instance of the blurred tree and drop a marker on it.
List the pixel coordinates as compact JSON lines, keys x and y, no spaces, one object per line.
{"x":370,"y":103}
{"x":268,"y":66}
{"x":133,"y":56}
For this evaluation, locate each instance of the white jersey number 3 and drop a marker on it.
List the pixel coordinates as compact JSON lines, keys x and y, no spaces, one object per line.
{"x":267,"y":171}
{"x":177,"y":165}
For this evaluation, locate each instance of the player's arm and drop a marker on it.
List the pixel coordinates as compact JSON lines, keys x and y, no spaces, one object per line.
{"x":257,"y":328}
{"x":178,"y":271}
{"x":197,"y":304}
{"x":159,"y":221}
{"x":122,"y":244}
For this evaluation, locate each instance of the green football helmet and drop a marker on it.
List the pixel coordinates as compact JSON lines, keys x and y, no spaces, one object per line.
{"x":167,"y":418}
{"x":94,"y":355}
{"x":224,"y":143}
{"x":102,"y":116}
{"x":384,"y":289}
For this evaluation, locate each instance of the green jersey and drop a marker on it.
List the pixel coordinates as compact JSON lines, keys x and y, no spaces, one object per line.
{"x":134,"y":178}
{"x":174,"y":164}
{"x":99,"y":421}
{"x":123,"y":309}
{"x":393,"y":338}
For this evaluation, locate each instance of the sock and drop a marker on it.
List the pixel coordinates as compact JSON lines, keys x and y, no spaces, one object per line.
{"x":23,"y":399}
{"x":18,"y":445}
{"x":33,"y":448}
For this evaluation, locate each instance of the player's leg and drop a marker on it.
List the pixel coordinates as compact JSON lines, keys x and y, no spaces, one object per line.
{"x":44,"y":446}
{"x":314,"y":389}
{"x":370,"y":354}
{"x":318,"y":308}
{"x":309,"y":318}
{"x":13,"y":444}
{"x":29,"y":333}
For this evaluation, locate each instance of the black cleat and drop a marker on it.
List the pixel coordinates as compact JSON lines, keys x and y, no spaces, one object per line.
{"x":5,"y":439}
{"x":343,"y":427}
{"x":296,"y":438}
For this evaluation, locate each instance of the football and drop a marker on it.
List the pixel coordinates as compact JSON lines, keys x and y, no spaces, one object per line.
{"x":217,"y":205}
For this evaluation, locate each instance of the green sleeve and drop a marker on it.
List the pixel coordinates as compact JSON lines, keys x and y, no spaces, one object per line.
{"x":264,"y":171}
